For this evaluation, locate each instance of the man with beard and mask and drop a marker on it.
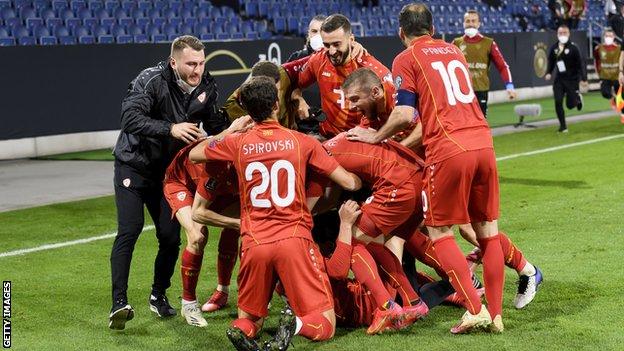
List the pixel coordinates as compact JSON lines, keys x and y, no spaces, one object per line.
{"x":480,"y":51}
{"x":566,"y":59}
{"x":159,"y":115}
{"x":314,"y":42}
{"x":329,"y":68}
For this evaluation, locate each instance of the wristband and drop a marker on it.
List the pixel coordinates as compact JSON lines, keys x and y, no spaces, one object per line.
{"x":509,"y":86}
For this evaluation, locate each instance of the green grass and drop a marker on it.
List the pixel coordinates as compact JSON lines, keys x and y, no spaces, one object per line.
{"x":93,"y":155}
{"x":561,"y":208}
{"x":503,"y":114}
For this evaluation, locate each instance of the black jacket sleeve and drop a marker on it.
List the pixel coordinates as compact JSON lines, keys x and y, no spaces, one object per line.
{"x":135,"y":109}
{"x":581,"y":63}
{"x":551,"y":60}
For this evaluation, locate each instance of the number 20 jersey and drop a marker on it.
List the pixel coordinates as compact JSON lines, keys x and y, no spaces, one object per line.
{"x":271,"y":163}
{"x":435,"y":74}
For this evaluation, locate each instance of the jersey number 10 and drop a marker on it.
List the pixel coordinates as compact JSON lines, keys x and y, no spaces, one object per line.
{"x":451,"y":83}
{"x":271,"y":179}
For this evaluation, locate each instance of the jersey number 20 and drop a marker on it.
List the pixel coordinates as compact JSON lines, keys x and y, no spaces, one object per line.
{"x":451,"y":83}
{"x":271,"y":179}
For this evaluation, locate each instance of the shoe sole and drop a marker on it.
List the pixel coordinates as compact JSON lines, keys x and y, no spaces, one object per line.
{"x":484,"y":325}
{"x":118,"y":319}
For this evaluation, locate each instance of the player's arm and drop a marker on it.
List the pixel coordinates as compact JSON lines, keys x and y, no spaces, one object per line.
{"x":414,"y":140}
{"x":340,"y":262}
{"x":503,"y":69}
{"x":551,"y":62}
{"x":597,"y":58}
{"x":203,"y":215}
{"x":136,"y":107}
{"x":324,"y":164}
{"x":346,"y":179}
{"x":198,"y":153}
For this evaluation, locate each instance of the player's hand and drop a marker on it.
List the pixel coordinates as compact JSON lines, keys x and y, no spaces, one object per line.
{"x":303,"y":110}
{"x":349,"y":212}
{"x":511,"y":93}
{"x":584,"y":86}
{"x":241,"y":124}
{"x":358,"y":51}
{"x":185,"y":131}
{"x":547,"y":76}
{"x":621,"y":78}
{"x":362,"y":134}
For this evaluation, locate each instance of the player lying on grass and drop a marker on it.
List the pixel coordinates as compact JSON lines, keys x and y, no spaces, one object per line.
{"x":271,"y":163}
{"x":212,"y":181}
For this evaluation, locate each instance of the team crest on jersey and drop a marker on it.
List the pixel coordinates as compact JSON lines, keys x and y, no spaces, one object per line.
{"x":397,"y":82}
{"x":181,"y":195}
{"x":126,"y":182}
{"x":566,"y":51}
{"x":211,"y":184}
{"x":388,"y":78}
{"x":202,"y":97}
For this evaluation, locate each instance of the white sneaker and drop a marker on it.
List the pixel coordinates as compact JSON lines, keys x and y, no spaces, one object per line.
{"x":470,"y":322}
{"x":527,"y":288}
{"x":193,"y":315}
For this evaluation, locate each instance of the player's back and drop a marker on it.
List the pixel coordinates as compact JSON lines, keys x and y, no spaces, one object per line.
{"x":183,"y":171}
{"x":271,"y":163}
{"x":378,"y":165}
{"x":438,"y":74}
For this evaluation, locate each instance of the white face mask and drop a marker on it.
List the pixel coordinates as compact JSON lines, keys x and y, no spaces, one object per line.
{"x":608,"y":40}
{"x":316,"y":42}
{"x":186,"y":87}
{"x":563,"y":39}
{"x":471,"y":32}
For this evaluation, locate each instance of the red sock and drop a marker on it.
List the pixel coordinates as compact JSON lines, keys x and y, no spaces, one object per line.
{"x":228,"y":250}
{"x":393,"y":271}
{"x":513,"y":257}
{"x":190,"y":267}
{"x":454,"y":264}
{"x":247,"y":326}
{"x":316,"y":327}
{"x":365,"y":270}
{"x":493,"y":273}
{"x":421,"y":248}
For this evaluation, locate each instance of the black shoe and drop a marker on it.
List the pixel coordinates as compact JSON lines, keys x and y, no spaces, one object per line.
{"x":160,"y":305}
{"x":120,"y":314}
{"x":285,"y":332}
{"x":240,"y":341}
{"x":579,"y":106}
{"x":562,"y":130}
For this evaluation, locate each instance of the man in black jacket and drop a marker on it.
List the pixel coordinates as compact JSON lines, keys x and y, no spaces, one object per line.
{"x":566,"y":58}
{"x":159,"y":115}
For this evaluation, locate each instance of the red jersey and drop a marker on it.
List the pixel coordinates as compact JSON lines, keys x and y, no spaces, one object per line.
{"x":435,"y":74}
{"x":217,"y":178}
{"x":383,"y":113}
{"x":378,"y":165}
{"x":271,"y":163}
{"x":330,"y":78}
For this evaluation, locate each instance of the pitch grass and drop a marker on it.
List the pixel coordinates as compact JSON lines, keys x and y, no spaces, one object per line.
{"x":562,"y":209}
{"x":498,"y":115}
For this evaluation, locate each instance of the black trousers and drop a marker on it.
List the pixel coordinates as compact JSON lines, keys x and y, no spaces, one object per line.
{"x":132,"y":192}
{"x":570,"y":90}
{"x":482,"y":96}
{"x":608,"y":88}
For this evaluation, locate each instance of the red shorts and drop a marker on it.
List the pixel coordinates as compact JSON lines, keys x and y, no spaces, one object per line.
{"x":178,"y":196}
{"x":388,"y":208}
{"x":461,"y":189}
{"x":300,"y":268}
{"x":353,"y":304}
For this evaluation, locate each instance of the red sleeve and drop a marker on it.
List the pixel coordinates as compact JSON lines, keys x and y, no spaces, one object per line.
{"x":597,"y":59}
{"x":316,"y":184}
{"x":221,"y":149}
{"x":500,"y":63}
{"x":293,"y":68}
{"x":320,"y":160}
{"x":306,"y":74}
{"x":339,"y":263}
{"x":207,"y":187}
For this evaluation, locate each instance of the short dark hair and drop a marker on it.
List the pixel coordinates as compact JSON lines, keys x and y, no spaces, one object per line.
{"x":267,"y":69}
{"x":335,"y":22}
{"x":415,"y":20}
{"x":319,"y":18}
{"x":363,"y":77}
{"x":473,"y":12}
{"x":608,"y":30}
{"x":258,"y":97}
{"x":563,"y":26}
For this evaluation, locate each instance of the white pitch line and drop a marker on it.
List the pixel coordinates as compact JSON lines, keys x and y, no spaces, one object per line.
{"x":149,"y":227}
{"x":65,"y":243}
{"x":560,"y":147}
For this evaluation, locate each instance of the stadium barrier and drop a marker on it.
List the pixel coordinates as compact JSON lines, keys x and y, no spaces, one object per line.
{"x":75,"y":91}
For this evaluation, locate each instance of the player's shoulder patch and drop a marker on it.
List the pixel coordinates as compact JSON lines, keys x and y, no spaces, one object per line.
{"x":398,"y":80}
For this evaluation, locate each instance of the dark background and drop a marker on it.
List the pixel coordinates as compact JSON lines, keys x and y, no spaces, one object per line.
{"x":50,"y":90}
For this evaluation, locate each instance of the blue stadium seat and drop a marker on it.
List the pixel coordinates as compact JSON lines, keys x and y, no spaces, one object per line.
{"x":191,"y":21}
{"x":80,"y":31}
{"x":142,"y":22}
{"x":126,"y":21}
{"x":58,"y":5}
{"x":251,"y":9}
{"x":33,"y":22}
{"x":125,"y":39}
{"x":106,"y":39}
{"x":237,"y":36}
{"x":5,"y":4}
{"x":7,"y":12}
{"x":152,"y":30}
{"x":27,"y":41}
{"x":27,"y":12}
{"x":73,"y":22}
{"x":171,"y":37}
{"x":201,"y":29}
{"x":111,"y":5}
{"x":120,"y":13}
{"x":141,"y":39}
{"x":67,"y":40}
{"x":207,"y":37}
{"x":153,"y":13}
{"x":4,"y":32}
{"x":175,"y":21}
{"x":87,"y":39}
{"x":223,"y":36}
{"x":84,"y":13}
{"x":158,"y":38}
{"x":108,"y":22}
{"x":77,"y":5}
{"x":66,"y":13}
{"x":265,"y":35}
{"x":134,"y":29}
{"x":117,"y":30}
{"x":169,"y":30}
{"x":41,"y":31}
{"x":293,"y":24}
{"x":138,"y":13}
{"x":52,"y":23}
{"x":145,"y":5}
{"x":47,"y":13}
{"x":90,"y":22}
{"x":47,"y":40}
{"x":186,"y":29}
{"x":7,"y":41}
{"x":19,"y":31}
{"x":128,"y":5}
{"x":251,"y":35}
{"x":279,"y":24}
{"x":61,"y":31}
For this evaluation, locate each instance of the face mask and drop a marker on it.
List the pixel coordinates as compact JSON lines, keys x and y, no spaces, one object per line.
{"x":471,"y":32}
{"x":316,"y":42}
{"x":186,"y":87}
{"x":608,"y":40}
{"x":563,"y":39}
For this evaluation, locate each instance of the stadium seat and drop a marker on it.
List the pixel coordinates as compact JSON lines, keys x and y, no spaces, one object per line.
{"x":207,"y":37}
{"x":223,"y":36}
{"x":5,"y":4}
{"x":279,"y":24}
{"x":40,"y":31}
{"x":4,"y":32}
{"x":47,"y":40}
{"x":185,"y":29}
{"x":34,"y":22}
{"x":7,"y":12}
{"x":7,"y":41}
{"x":23,"y":41}
{"x":77,"y":5}
{"x":106,"y":39}
{"x":67,"y":40}
{"x":251,"y":36}
{"x":19,"y":31}
{"x":251,"y":9}
{"x":111,"y":5}
{"x":141,"y":39}
{"x":58,"y":5}
{"x":159,"y":38}
{"x":80,"y":31}
{"x":73,"y":22}
{"x":87,"y":39}
{"x":125,"y":39}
